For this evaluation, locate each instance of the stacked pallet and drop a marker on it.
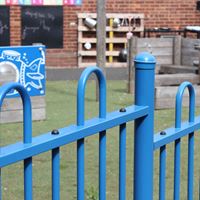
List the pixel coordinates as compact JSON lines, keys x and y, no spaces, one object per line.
{"x":115,"y":37}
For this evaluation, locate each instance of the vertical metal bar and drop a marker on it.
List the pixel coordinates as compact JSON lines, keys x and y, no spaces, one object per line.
{"x":80,"y":169}
{"x":162,"y":182}
{"x":55,"y":174}
{"x":102,"y":142}
{"x":177,"y":163}
{"x":144,"y":127}
{"x":27,"y":130}
{"x":178,"y":113}
{"x":102,"y":138}
{"x":80,"y":143}
{"x":28,"y":179}
{"x":191,"y":146}
{"x":102,"y":165}
{"x":122,"y":162}
{"x":199,"y":188}
{"x":0,"y":186}
{"x":190,"y":165}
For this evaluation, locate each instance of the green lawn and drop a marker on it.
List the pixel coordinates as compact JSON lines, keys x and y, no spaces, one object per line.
{"x":61,"y":111}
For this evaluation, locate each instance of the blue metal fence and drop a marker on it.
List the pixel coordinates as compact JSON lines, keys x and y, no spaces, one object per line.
{"x":144,"y":146}
{"x":175,"y":134}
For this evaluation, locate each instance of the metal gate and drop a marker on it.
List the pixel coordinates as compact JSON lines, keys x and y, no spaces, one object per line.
{"x":145,"y":142}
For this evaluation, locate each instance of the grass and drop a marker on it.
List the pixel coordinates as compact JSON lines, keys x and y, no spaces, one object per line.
{"x":61,"y":111}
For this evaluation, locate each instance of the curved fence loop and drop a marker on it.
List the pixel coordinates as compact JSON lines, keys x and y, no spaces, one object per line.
{"x":27,"y":112}
{"x":179,"y":98}
{"x":81,"y":93}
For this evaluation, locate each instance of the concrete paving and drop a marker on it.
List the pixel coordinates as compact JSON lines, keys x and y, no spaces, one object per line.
{"x":54,"y":74}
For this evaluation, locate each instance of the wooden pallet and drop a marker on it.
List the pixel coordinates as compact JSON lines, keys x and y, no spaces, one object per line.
{"x":175,"y":79}
{"x":88,"y":57}
{"x":178,"y":69}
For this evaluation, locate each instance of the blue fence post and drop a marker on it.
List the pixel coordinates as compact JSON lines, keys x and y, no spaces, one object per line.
{"x":144,"y":127}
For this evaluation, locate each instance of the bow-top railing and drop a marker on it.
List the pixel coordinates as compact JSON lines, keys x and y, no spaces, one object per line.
{"x":145,"y":142}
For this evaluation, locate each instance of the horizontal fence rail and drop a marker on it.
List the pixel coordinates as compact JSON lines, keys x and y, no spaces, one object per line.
{"x":172,"y":134}
{"x":45,"y":142}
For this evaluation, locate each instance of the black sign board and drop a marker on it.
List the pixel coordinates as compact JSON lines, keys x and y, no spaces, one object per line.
{"x":4,"y":26}
{"x":42,"y":24}
{"x":198,"y":5}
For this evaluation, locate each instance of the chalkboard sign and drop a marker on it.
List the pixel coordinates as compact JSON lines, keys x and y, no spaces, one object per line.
{"x":42,"y":24}
{"x":4,"y":26}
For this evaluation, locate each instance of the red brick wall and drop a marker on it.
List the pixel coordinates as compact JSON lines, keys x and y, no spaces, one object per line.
{"x":168,"y":13}
{"x":15,"y":26}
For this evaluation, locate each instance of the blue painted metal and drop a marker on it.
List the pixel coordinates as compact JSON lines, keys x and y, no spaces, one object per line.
{"x":173,"y":133}
{"x":162,"y":182}
{"x":179,"y":98}
{"x":28,"y":66}
{"x":0,"y":186}
{"x":45,"y":142}
{"x":102,"y":137}
{"x":122,"y":162}
{"x":28,"y":179}
{"x":177,"y":170}
{"x":190,"y":165}
{"x":143,"y":143}
{"x":27,"y":129}
{"x":27,"y":126}
{"x":102,"y":165}
{"x":81,"y":93}
{"x":56,"y":174}
{"x":80,"y":169}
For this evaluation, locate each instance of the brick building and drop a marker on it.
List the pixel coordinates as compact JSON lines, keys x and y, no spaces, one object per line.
{"x":169,"y":13}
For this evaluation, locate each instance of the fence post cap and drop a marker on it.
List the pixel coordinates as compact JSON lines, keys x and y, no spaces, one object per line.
{"x":145,"y":60}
